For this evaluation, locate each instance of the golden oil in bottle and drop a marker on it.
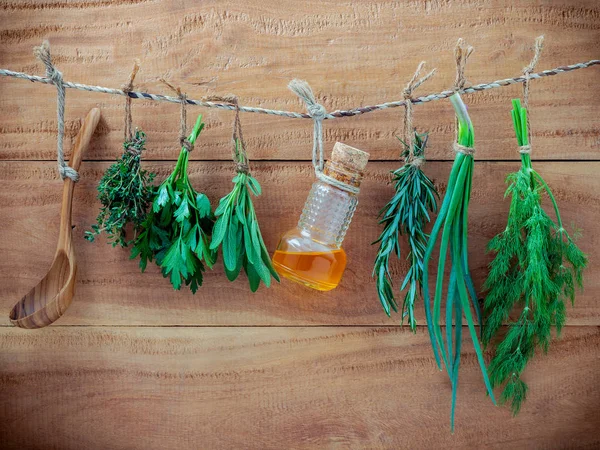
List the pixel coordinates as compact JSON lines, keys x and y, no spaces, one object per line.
{"x":311,"y":253}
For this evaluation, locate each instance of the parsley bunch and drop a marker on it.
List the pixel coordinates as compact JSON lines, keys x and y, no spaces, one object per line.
{"x":460,"y":297}
{"x":405,"y":214}
{"x":125,"y":192}
{"x":176,"y":232}
{"x":537,"y":266}
{"x":237,"y":232}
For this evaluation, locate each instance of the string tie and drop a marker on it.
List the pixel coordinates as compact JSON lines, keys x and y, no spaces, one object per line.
{"x":318,"y":113}
{"x":43,"y":54}
{"x":412,"y":85}
{"x":469,"y":151}
{"x":526,"y":149}
{"x":527,"y":71}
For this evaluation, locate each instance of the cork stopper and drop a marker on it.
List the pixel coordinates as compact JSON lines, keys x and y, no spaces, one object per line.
{"x":350,"y":157}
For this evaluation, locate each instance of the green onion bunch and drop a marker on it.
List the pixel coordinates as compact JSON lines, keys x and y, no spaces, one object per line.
{"x":536,"y":268}
{"x":450,"y":231}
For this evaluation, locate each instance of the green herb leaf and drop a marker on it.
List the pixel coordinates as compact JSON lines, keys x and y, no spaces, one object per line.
{"x":125,"y":192}
{"x":536,"y":267}
{"x":238,"y":234}
{"x":176,"y":233}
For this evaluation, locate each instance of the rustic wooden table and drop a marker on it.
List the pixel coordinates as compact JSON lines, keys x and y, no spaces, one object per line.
{"x":134,"y":364}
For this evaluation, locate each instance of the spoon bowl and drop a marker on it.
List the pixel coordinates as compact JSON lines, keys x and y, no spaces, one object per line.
{"x":50,"y":298}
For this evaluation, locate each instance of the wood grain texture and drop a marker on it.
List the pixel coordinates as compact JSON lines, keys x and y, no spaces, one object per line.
{"x":206,"y":373}
{"x":353,"y":53}
{"x":264,"y":388}
{"x":112,"y":291}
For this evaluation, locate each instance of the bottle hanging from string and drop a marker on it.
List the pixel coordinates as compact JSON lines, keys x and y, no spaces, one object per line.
{"x":311,"y":253}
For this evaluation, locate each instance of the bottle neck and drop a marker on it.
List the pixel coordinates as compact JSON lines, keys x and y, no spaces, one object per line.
{"x":342,"y":173}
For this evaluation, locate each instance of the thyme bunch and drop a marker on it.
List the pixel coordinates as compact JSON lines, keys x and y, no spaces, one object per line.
{"x":176,"y":233}
{"x":125,"y":192}
{"x":237,"y":232}
{"x":452,"y":222}
{"x":405,"y":214}
{"x":536,"y":268}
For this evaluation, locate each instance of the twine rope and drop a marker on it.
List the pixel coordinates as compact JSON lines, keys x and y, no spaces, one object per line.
{"x":462,"y":51}
{"x":318,"y":113}
{"x":526,"y":149}
{"x":295,"y":115}
{"x":127,"y":88}
{"x":238,"y":152}
{"x":184,"y":142}
{"x":412,"y":85}
{"x":55,"y":77}
{"x":469,"y":151}
{"x":527,"y":71}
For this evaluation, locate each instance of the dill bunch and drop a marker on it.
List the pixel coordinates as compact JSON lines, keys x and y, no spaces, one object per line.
{"x":536,"y":268}
{"x":125,"y":192}
{"x":405,"y":214}
{"x":452,"y":222}
{"x":176,"y":232}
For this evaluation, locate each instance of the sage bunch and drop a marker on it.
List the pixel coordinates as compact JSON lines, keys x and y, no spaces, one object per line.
{"x":407,"y":213}
{"x":237,"y":231}
{"x":451,"y":232}
{"x":176,"y":233}
{"x":537,"y":266}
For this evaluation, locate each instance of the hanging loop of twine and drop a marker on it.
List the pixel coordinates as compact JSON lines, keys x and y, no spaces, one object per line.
{"x":127,"y":88}
{"x":412,"y":85}
{"x":184,"y":142}
{"x":239,"y":154}
{"x":43,"y":54}
{"x":317,"y":112}
{"x":527,"y":71}
{"x":462,"y":51}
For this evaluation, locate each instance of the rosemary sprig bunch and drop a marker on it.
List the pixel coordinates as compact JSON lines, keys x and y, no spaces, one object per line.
{"x":537,"y":266}
{"x":176,"y":233}
{"x":125,"y":192}
{"x":452,"y":222}
{"x":237,"y":232}
{"x":405,"y":214}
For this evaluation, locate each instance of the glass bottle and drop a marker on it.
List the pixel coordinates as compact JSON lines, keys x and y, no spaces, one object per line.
{"x":311,"y":254}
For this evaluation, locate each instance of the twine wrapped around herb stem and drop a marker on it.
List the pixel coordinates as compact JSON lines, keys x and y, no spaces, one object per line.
{"x":239,"y":154}
{"x":412,"y":85}
{"x":462,"y":52}
{"x":127,"y":88}
{"x":43,"y":54}
{"x":527,"y":71}
{"x":183,"y":139}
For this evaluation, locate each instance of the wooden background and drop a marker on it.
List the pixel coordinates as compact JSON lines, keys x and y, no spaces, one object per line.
{"x":134,"y":364}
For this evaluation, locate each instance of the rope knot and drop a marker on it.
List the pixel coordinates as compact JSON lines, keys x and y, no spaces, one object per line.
{"x":186,"y":144}
{"x":43,"y":54}
{"x":318,"y":113}
{"x":526,"y":149}
{"x":462,"y":51}
{"x":408,"y":122}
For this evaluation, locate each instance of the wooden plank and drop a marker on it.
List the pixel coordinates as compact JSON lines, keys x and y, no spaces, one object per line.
{"x":353,"y":54}
{"x":163,"y":388}
{"x":111,"y":290}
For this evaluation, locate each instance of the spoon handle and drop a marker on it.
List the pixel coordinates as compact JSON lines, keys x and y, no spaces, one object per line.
{"x":82,"y":142}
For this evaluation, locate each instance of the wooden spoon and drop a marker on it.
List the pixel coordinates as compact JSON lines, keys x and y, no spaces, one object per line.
{"x":47,"y":301}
